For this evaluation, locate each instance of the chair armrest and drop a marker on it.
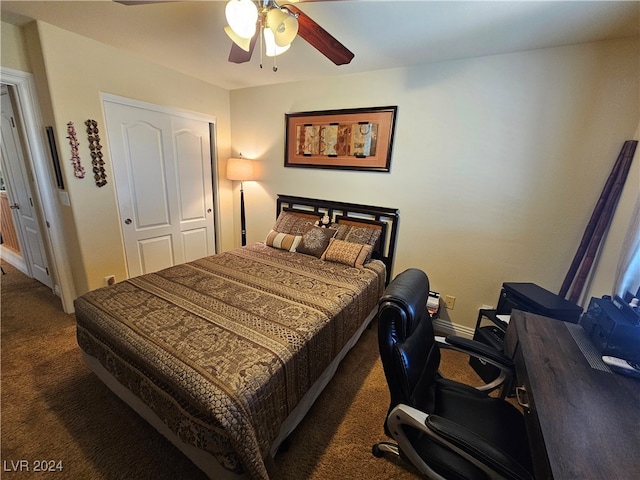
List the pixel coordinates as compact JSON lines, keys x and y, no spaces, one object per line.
{"x":480,"y":350}
{"x":459,"y":439}
{"x":486,"y":353}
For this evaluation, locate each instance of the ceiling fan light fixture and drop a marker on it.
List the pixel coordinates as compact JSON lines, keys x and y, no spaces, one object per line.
{"x":243,"y":43}
{"x":271,"y":49}
{"x":279,"y":26}
{"x":242,"y":16}
{"x":283,"y":25}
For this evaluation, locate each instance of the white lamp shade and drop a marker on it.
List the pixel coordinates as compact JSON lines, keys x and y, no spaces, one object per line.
{"x":240,"y":169}
{"x":283,"y":26}
{"x":243,"y":43}
{"x":242,"y":16}
{"x":270,"y":47}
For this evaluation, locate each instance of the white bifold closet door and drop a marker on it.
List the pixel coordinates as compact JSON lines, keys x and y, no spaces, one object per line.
{"x":163,"y":180}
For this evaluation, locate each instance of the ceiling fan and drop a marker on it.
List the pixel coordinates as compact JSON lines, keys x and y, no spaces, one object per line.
{"x":275,"y":26}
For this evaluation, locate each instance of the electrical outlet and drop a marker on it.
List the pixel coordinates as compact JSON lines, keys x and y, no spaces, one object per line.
{"x":110,"y":280}
{"x":449,"y":301}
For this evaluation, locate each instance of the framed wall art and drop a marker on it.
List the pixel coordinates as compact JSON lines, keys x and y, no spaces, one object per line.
{"x":351,"y":139}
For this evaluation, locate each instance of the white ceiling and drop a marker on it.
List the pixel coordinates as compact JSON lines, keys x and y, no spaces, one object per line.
{"x":188,"y":36}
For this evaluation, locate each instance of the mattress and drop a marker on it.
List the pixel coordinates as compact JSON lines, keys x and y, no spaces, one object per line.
{"x":223,"y":349}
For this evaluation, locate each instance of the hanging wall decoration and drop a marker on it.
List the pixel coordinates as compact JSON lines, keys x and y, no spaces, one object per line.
{"x":350,"y":139}
{"x":96,"y":153}
{"x":78,"y":169}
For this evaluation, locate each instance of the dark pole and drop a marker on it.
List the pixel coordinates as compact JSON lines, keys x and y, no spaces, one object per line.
{"x":597,"y":225}
{"x":628,"y":149}
{"x":603,"y":221}
{"x":243,"y":226}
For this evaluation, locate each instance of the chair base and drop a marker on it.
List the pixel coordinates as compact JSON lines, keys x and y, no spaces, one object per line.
{"x":379,"y":449}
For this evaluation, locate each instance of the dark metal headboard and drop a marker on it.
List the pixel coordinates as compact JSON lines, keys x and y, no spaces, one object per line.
{"x":387,"y":217}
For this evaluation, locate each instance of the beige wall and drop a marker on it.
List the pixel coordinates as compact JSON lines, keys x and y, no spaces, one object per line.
{"x":72,"y":71}
{"x":497,"y":162}
{"x":14,"y":50}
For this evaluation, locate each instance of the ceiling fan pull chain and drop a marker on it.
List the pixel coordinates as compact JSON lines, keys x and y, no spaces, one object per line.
{"x":261,"y":46}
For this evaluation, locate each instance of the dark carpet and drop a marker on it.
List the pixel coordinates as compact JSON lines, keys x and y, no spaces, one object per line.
{"x":57,"y":414}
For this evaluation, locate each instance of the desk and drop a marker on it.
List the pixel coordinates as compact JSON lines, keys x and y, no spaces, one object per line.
{"x":582,"y":423}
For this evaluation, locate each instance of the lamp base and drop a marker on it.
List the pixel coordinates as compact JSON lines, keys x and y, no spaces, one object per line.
{"x":243,"y":226}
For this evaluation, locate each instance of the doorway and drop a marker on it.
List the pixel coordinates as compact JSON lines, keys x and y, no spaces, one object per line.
{"x":43,"y":193}
{"x":20,"y":225}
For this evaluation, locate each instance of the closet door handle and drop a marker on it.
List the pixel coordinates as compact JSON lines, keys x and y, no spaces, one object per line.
{"x":15,"y":206}
{"x":128,"y":221}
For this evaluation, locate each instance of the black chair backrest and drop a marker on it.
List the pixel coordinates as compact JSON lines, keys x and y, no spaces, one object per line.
{"x":409,"y":354}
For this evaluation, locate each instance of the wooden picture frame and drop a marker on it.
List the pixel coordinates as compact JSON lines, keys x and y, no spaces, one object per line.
{"x":350,"y":139}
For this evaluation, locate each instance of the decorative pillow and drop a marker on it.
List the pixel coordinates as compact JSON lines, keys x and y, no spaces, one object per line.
{"x":348,"y":253}
{"x":283,"y":241}
{"x":362,"y":235}
{"x":293,"y":223}
{"x":315,"y":240}
{"x":342,"y":228}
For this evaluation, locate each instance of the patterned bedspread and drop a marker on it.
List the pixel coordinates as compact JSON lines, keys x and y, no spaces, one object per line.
{"x":223,"y":348}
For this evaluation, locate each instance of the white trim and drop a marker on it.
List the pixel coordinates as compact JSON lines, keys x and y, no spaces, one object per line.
{"x":109,"y":97}
{"x":448,"y":328}
{"x":14,"y":259}
{"x":46,"y":194}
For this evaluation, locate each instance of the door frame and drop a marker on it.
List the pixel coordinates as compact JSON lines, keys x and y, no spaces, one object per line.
{"x":213,"y":142}
{"x":17,"y":180}
{"x":38,"y":161}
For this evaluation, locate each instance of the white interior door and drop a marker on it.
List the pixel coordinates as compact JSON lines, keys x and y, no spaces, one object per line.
{"x":20,"y":196}
{"x":162,"y":172}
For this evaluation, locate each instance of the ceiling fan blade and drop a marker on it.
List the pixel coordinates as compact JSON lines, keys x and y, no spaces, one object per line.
{"x":238,"y":55}
{"x":319,"y":38}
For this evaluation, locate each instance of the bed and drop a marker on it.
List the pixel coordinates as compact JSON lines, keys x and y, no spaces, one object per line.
{"x":226,"y":354}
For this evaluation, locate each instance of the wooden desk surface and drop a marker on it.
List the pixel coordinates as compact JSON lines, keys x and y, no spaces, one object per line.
{"x":590,"y":419}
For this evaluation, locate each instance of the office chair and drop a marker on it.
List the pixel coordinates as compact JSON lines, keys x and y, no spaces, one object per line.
{"x":446,"y":429}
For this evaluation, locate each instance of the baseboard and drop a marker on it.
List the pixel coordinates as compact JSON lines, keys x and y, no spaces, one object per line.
{"x":445,"y":327}
{"x":14,"y":259}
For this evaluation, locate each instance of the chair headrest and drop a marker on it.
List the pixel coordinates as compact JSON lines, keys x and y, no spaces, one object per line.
{"x":408,"y":291}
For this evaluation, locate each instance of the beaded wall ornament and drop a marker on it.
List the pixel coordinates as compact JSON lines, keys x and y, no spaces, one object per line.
{"x":96,"y":153}
{"x":78,"y":169}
